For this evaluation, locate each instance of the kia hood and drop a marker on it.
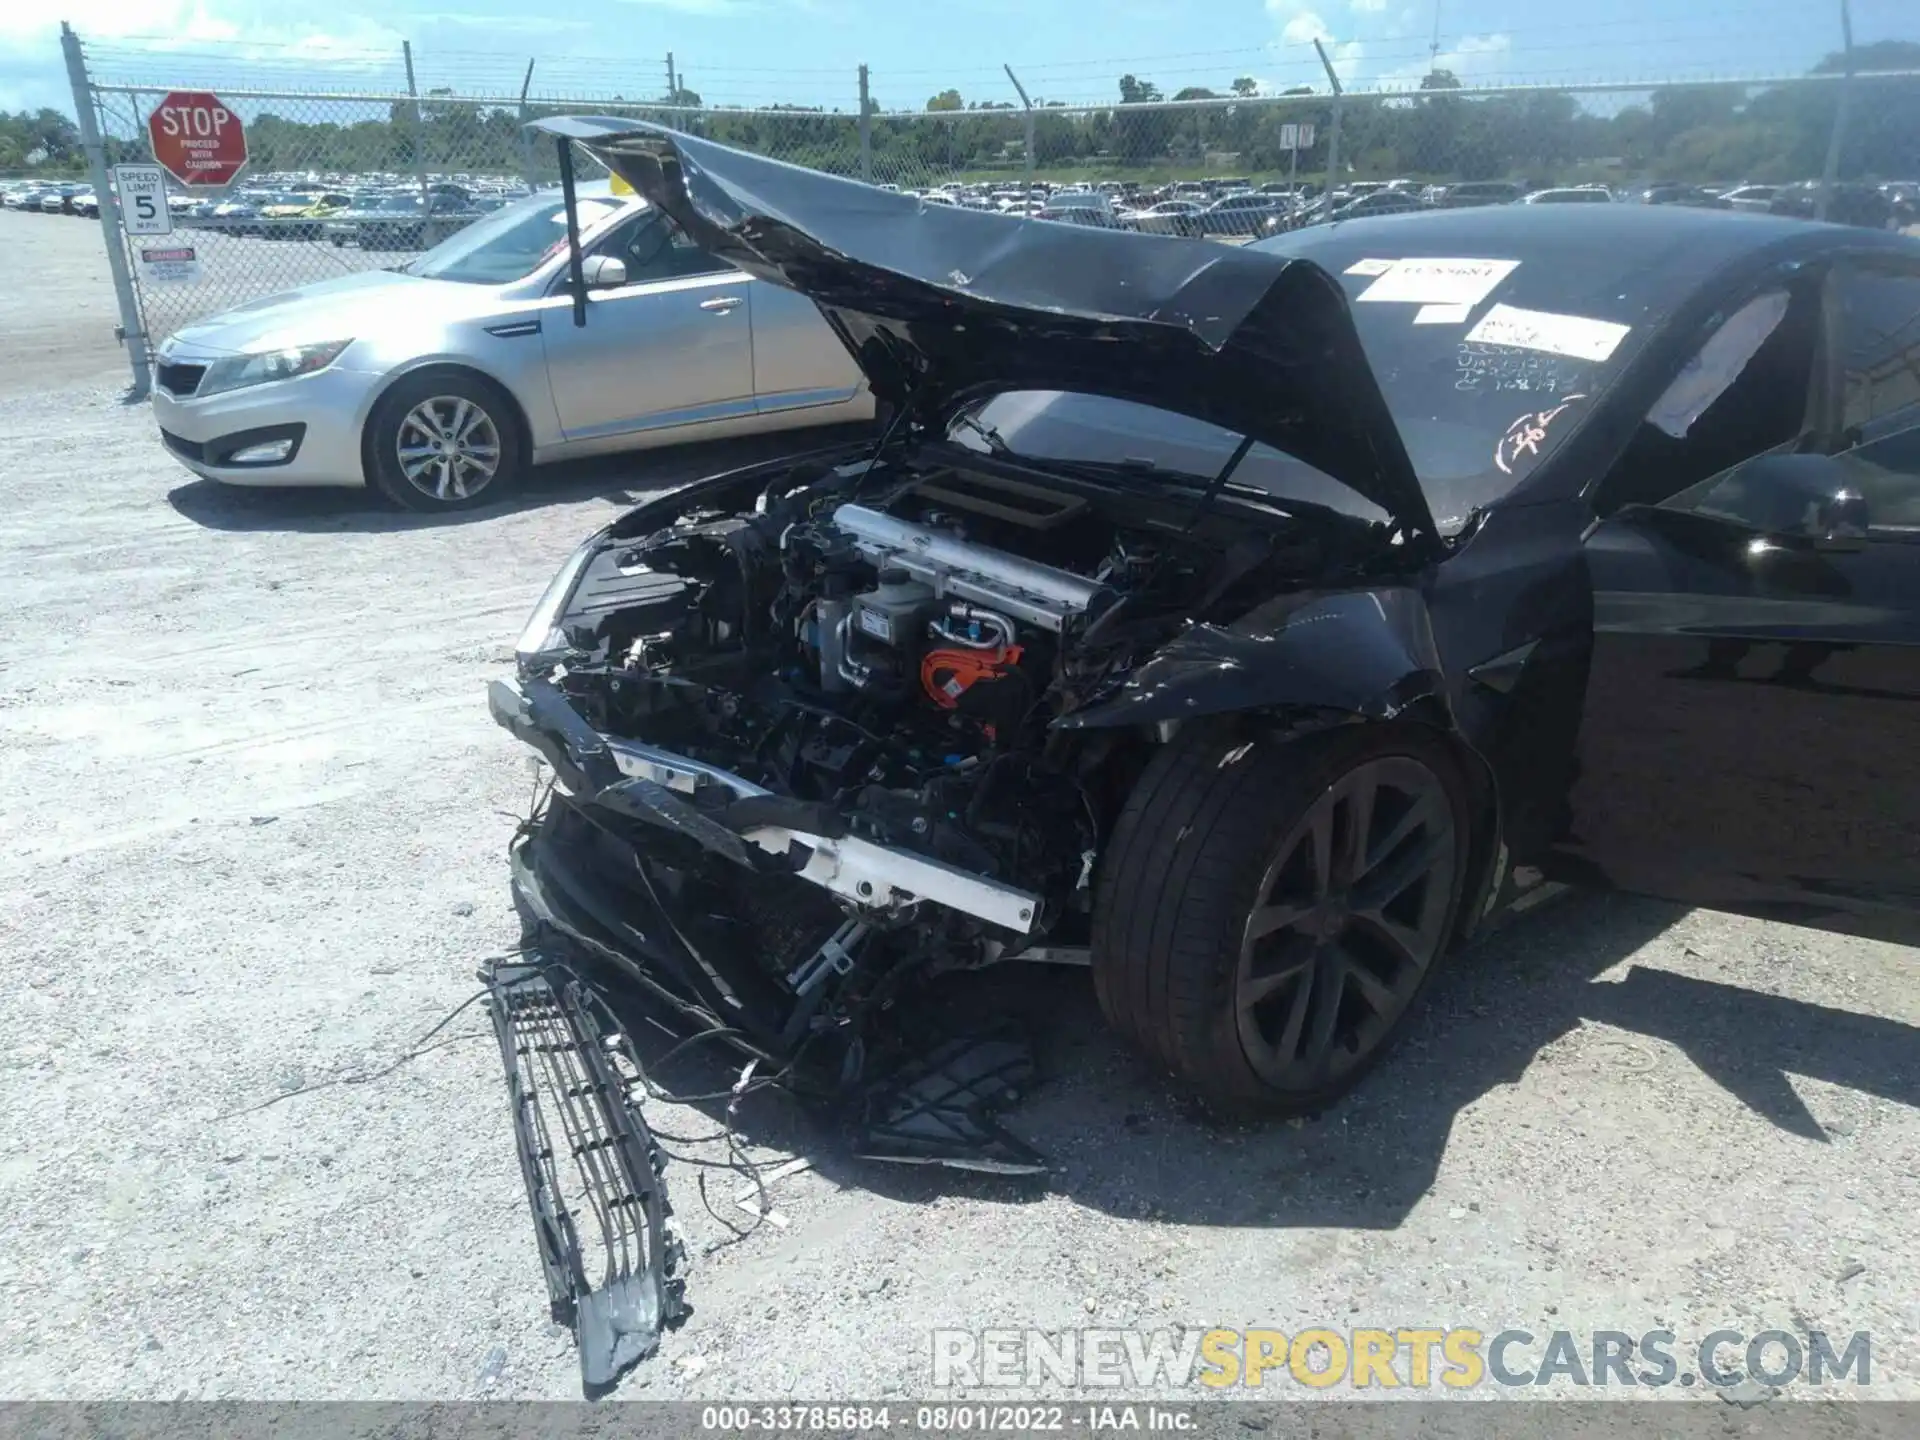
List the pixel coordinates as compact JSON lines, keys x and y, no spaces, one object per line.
{"x":941,"y":305}
{"x":347,"y":307}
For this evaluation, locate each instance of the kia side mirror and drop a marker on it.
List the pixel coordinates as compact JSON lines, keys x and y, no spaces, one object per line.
{"x":603,"y":272}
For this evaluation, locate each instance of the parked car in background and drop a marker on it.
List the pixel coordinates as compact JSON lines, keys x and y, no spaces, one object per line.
{"x":343,"y":226}
{"x":87,"y":204}
{"x":402,"y":222}
{"x":1241,"y":214}
{"x":301,"y":214}
{"x":1851,"y":203}
{"x":239,"y":215}
{"x":1755,"y":198}
{"x":1336,"y":206}
{"x":1469,"y":193}
{"x":1168,"y":217}
{"x":1696,"y":196}
{"x":1081,"y":197}
{"x":440,"y":381}
{"x":1080,"y":215}
{"x":1569,"y":195}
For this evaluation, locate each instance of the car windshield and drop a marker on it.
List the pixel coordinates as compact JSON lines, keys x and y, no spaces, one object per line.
{"x":1475,"y":416}
{"x":509,"y":244}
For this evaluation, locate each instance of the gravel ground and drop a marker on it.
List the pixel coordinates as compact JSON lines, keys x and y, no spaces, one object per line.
{"x":252,"y":844}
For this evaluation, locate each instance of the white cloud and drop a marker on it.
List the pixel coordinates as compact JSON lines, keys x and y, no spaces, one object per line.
{"x":1367,"y":7}
{"x":1300,"y":25}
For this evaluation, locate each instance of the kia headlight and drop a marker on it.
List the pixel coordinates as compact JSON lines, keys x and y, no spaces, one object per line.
{"x":236,"y":372}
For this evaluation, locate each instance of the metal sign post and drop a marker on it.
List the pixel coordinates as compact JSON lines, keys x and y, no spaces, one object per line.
{"x":132,"y":335}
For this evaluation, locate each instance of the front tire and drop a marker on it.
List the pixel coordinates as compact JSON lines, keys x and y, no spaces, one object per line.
{"x":1270,"y":912}
{"x":444,"y":440}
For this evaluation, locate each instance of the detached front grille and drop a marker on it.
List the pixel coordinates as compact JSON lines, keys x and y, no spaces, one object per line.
{"x":180,"y":379}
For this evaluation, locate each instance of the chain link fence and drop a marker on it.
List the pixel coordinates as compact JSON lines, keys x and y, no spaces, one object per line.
{"x":366,"y":175}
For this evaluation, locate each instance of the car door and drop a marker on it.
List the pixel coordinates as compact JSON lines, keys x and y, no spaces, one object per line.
{"x":671,"y":345}
{"x":1750,"y":737}
{"x":798,"y":362}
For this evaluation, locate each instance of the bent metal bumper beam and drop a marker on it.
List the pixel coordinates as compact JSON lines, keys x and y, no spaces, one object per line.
{"x":628,"y":776}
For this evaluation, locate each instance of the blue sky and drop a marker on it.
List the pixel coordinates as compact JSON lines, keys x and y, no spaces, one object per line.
{"x":805,"y":51}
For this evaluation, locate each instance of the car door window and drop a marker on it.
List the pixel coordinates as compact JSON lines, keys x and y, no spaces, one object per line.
{"x":654,"y":248}
{"x":1746,"y":390}
{"x":1879,"y":345}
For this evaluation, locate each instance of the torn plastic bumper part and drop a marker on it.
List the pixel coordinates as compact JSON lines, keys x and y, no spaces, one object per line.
{"x":586,"y":1152}
{"x":741,"y":821}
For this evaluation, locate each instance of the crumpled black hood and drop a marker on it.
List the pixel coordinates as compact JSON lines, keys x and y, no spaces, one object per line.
{"x":941,"y":304}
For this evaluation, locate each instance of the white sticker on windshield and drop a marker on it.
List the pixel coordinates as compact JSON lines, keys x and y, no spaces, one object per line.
{"x":1439,"y":282}
{"x":1369,"y":267}
{"x":1442,"y":314}
{"x":1573,"y":335}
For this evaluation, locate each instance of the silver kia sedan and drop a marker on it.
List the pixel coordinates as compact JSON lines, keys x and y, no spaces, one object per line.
{"x":440,"y":382}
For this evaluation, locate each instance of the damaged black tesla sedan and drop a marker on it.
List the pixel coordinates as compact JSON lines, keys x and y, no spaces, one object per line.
{"x":1254,"y":624}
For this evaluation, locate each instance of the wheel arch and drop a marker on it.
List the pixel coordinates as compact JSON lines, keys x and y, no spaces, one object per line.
{"x":458,"y":368}
{"x":1306,"y":661}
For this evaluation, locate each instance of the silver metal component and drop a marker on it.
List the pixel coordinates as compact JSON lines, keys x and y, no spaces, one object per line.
{"x":835,"y":956}
{"x":830,"y":618}
{"x":679,"y":773}
{"x":870,"y":875}
{"x":850,"y":670}
{"x":1041,"y":595}
{"x":992,"y":620}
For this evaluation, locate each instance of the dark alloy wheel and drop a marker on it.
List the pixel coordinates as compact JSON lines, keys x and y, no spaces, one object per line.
{"x":1270,"y":910}
{"x":1350,"y":913}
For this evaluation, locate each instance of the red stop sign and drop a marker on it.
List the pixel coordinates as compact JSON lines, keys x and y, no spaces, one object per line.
{"x":197,"y":138}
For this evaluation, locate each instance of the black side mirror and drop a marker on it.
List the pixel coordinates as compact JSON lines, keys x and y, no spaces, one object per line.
{"x":1839,"y":522}
{"x":1811,"y":500}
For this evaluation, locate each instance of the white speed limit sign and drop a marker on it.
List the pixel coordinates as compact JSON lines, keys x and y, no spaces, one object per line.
{"x":143,"y":199}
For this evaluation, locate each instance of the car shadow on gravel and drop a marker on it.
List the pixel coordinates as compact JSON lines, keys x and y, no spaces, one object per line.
{"x":1122,"y":1141}
{"x":621,"y":479}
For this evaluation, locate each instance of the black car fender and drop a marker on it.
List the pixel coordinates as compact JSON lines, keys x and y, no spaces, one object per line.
{"x":1309,"y":661}
{"x":1367,"y":653}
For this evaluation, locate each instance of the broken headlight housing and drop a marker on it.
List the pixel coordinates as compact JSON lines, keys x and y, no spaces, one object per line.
{"x":541,"y":635}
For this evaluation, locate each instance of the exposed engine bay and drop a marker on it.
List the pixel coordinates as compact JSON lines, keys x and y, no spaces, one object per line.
{"x":861,"y":684}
